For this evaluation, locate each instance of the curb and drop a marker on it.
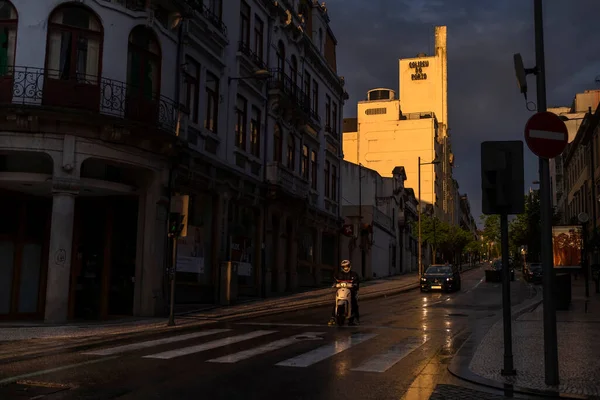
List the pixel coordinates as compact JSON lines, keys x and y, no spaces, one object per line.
{"x":459,"y":365}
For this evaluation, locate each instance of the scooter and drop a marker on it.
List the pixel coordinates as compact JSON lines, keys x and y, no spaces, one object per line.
{"x":343,"y":302}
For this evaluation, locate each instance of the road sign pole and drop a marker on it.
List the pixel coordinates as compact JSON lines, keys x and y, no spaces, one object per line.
{"x":550,"y":336}
{"x":508,"y":369}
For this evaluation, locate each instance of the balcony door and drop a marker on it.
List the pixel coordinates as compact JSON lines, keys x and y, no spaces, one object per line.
{"x":8,"y":40}
{"x":143,"y":75}
{"x":73,"y":58}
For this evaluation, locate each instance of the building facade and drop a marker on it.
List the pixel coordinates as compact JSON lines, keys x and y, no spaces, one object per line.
{"x":110,"y":108}
{"x":378,"y":216}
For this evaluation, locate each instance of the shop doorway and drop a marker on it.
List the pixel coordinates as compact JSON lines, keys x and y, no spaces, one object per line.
{"x":104,"y":251}
{"x":24,"y":237}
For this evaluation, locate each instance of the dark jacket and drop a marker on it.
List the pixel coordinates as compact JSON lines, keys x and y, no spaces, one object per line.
{"x":348,"y":276}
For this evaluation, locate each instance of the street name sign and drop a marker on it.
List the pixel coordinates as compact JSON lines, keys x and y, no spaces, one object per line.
{"x":546,"y":135}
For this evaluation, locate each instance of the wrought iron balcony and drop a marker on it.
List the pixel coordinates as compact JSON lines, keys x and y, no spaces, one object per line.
{"x":245,"y":49}
{"x":214,"y":19}
{"x":284,"y":84}
{"x":282,"y":177}
{"x":51,"y":88}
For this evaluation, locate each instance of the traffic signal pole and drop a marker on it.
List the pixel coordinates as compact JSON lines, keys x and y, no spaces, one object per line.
{"x":550,"y":336}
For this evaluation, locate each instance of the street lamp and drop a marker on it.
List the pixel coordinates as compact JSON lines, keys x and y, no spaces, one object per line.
{"x":435,"y":161}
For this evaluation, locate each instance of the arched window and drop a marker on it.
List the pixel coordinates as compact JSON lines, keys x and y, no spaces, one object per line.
{"x":277,"y":144}
{"x":8,"y":37}
{"x":291,"y":152}
{"x":143,"y":74}
{"x":74,"y":44}
{"x":280,"y":60}
{"x":294,"y":70}
{"x":144,"y":62}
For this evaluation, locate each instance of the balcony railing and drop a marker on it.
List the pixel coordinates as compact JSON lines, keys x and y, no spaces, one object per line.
{"x":280,"y":80}
{"x":245,"y":49}
{"x":46,"y":87}
{"x":278,"y":175}
{"x":214,"y":19}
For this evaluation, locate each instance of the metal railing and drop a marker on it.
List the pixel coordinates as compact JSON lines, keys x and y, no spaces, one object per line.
{"x":214,"y":19}
{"x":245,"y":49}
{"x":280,"y":80}
{"x":47,"y":87}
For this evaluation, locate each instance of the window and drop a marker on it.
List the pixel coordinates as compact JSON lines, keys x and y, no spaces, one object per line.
{"x":8,"y":35}
{"x":328,"y":113}
{"x":304,"y":162}
{"x":74,"y":45}
{"x":291,"y":153}
{"x":334,"y":119}
{"x":294,"y":70}
{"x":241,"y":111}
{"x":259,"y":37}
{"x":307,"y":80}
{"x":277,"y":144}
{"x":327,"y":172}
{"x":313,"y":169}
{"x":280,"y":60}
{"x":212,"y":102}
{"x":334,"y":183}
{"x":315,"y":98}
{"x":216,"y":7}
{"x":144,"y":61}
{"x":191,"y":78}
{"x":255,"y":132}
{"x":245,"y":24}
{"x":320,"y":40}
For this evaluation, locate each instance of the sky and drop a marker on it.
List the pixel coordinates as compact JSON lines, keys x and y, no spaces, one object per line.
{"x":484,"y":102}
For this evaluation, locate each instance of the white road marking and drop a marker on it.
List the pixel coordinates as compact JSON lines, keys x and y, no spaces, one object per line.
{"x":383,"y":362}
{"x":477,"y":284}
{"x":337,"y":327}
{"x":324,"y":352}
{"x":278,"y":344}
{"x":208,"y":346}
{"x":152,"y":343}
{"x":534,"y":133}
{"x":51,"y":370}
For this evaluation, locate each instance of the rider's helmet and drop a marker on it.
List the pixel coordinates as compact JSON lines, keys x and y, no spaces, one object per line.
{"x":346,"y":266}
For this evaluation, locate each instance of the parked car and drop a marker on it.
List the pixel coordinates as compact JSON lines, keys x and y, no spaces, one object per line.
{"x":441,"y":277}
{"x":494,"y":273}
{"x":533,"y":272}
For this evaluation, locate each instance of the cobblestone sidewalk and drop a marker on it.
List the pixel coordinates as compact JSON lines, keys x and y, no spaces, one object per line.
{"x":453,"y":392}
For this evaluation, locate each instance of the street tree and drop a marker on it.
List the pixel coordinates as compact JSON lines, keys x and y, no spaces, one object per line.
{"x":433,"y":232}
{"x":491,"y":234}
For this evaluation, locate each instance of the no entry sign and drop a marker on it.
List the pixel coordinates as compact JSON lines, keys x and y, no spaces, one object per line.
{"x":546,"y":135}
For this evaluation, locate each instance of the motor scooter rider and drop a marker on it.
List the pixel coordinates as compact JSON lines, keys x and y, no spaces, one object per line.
{"x":347,"y":275}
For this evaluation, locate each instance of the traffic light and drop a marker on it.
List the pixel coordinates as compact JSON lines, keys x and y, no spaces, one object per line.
{"x":175,"y":224}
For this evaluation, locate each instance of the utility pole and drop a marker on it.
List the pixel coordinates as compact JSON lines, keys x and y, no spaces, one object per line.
{"x":363,"y":255}
{"x":550,"y":336}
{"x":419,"y":221}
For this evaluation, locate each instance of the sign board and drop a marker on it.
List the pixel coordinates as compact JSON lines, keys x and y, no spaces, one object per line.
{"x":502,"y":177}
{"x":546,"y":135}
{"x":566,"y":246}
{"x":180,"y":204}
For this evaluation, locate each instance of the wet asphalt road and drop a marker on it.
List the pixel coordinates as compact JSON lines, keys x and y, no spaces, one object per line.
{"x":400,"y":351}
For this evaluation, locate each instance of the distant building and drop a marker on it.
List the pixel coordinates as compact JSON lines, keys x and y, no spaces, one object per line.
{"x":378,"y":216}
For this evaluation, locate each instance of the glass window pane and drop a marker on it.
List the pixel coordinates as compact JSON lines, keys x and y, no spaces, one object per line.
{"x":7,"y":254}
{"x":30,"y":278}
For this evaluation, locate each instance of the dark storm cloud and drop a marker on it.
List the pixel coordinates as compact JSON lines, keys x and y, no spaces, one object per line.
{"x":483,"y":99}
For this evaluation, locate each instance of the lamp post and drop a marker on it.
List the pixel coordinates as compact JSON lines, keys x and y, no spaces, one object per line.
{"x":420,"y":210}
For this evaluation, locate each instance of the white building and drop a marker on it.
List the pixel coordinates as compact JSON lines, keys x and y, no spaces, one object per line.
{"x":378,"y":214}
{"x":93,"y":143}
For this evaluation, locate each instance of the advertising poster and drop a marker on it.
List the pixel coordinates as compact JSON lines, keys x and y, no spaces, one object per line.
{"x":190,"y":251}
{"x":566,"y":246}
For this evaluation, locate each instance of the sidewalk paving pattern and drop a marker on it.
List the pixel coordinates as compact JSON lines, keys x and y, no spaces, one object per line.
{"x":578,"y":349}
{"x":453,"y":392}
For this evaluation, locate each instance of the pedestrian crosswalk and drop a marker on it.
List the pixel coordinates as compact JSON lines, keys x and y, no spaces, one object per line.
{"x":241,"y":346}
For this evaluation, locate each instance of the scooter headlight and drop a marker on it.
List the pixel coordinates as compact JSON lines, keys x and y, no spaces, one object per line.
{"x":343,"y":284}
